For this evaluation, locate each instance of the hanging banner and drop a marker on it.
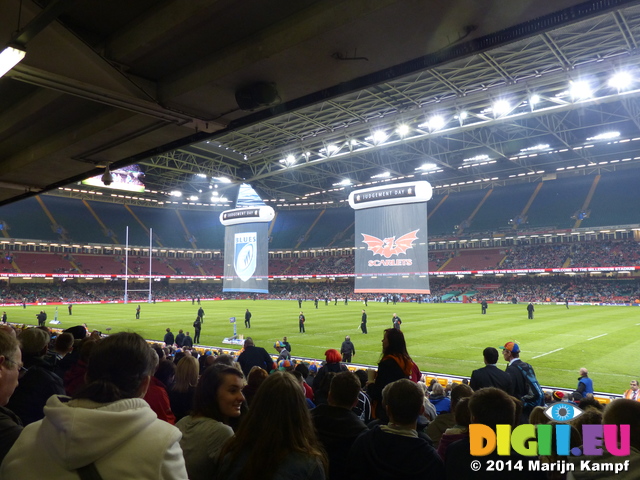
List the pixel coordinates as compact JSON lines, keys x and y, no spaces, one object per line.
{"x":246,"y":249}
{"x":391,"y":238}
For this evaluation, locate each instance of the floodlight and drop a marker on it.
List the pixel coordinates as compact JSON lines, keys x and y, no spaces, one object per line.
{"x":621,"y":81}
{"x":378,"y":137}
{"x":580,"y":90}
{"x":382,"y":175}
{"x":288,"y":160}
{"x":501,"y":107}
{"x":402,"y":130}
{"x":436,"y":122}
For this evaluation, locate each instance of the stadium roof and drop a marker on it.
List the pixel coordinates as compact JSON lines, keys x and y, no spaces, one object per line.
{"x":333,"y":94}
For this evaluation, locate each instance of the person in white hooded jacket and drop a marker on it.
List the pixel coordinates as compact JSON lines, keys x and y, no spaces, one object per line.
{"x":106,"y":426}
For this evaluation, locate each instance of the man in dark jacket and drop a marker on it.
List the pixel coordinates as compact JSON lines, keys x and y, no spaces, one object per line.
{"x":382,"y":452}
{"x":490,"y":375}
{"x":247,"y":319}
{"x":363,"y":322}
{"x":180,"y":338}
{"x":347,"y":350}
{"x":169,"y":339}
{"x":520,"y":386}
{"x":197,"y":327}
{"x":254,"y":356}
{"x":337,"y":425}
{"x":187,"y":342}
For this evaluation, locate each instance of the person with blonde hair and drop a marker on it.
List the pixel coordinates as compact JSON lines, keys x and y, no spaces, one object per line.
{"x":182,"y":393}
{"x":106,"y":429}
{"x":276,"y":439}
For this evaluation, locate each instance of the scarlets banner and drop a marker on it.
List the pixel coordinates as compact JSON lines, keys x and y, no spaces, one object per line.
{"x":246,"y":249}
{"x":391,"y":238}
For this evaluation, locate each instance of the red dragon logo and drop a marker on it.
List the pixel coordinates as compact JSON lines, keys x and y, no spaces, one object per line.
{"x":390,"y":246}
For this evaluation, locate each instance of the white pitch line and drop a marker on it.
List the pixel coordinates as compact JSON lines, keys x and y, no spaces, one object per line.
{"x":593,"y":338}
{"x":552,"y":351}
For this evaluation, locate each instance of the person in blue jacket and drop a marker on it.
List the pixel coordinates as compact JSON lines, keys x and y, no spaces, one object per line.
{"x":585,"y":384}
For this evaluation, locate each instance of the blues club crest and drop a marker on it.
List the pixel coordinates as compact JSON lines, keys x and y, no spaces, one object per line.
{"x":246,"y":246}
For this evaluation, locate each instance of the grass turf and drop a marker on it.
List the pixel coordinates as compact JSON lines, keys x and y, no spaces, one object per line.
{"x":441,"y":338}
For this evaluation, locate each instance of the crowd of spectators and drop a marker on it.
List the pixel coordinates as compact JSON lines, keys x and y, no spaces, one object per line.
{"x":129,"y":393}
{"x":601,"y":253}
{"x":548,"y":288}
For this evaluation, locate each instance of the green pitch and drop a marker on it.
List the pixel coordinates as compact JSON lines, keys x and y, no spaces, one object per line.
{"x":441,"y":338}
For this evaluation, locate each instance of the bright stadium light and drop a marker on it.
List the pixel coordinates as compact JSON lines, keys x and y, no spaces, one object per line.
{"x":382,"y":175}
{"x":580,"y":90}
{"x":289,"y":160}
{"x":402,"y":130}
{"x":534,"y":100}
{"x":501,"y":107}
{"x":604,"y":136}
{"x":621,"y":81}
{"x":222,"y":179}
{"x":377,"y":137}
{"x":343,"y":183}
{"x":176,"y":193}
{"x":437,"y":122}
{"x":427,"y":167}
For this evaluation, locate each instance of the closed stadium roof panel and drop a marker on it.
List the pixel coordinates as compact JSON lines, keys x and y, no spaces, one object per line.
{"x":306,"y":100}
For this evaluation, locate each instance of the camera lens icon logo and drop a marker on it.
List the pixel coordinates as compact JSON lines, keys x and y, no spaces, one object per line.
{"x":562,"y":412}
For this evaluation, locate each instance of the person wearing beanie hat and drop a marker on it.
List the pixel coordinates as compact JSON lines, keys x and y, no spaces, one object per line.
{"x":524,"y":384}
{"x":39,"y":382}
{"x":558,"y":396}
{"x":286,"y":365}
{"x":283,"y":353}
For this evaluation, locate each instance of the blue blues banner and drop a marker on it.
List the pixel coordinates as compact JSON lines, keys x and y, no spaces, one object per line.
{"x":246,"y":243}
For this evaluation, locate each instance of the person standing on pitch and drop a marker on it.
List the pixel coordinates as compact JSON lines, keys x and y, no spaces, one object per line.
{"x":247,"y":319}
{"x":200,"y":312}
{"x":484,"y":305}
{"x":363,"y":322}
{"x":396,"y":322}
{"x":299,"y":302}
{"x":70,"y":307}
{"x":530,"y":309}
{"x":301,"y":321}
{"x":197,"y":325}
{"x":138,"y":312}
{"x":347,"y":350}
